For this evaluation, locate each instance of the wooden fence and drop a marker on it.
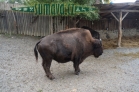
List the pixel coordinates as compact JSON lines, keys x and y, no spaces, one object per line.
{"x":30,"y":24}
{"x":12,"y":22}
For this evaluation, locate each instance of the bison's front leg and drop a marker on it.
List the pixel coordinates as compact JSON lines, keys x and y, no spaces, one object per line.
{"x":76,"y":67}
{"x":46,"y":66}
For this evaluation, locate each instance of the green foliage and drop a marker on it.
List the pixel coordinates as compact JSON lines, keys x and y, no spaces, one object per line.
{"x":2,"y":0}
{"x":12,"y":1}
{"x":89,"y":15}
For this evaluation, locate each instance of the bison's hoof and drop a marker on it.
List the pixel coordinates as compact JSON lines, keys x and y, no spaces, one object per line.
{"x":77,"y":72}
{"x":51,"y":77}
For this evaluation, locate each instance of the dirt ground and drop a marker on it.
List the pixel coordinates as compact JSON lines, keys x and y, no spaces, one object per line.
{"x":126,"y":42}
{"x":117,"y":70}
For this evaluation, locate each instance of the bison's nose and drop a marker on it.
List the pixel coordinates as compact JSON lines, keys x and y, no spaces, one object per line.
{"x":96,"y":56}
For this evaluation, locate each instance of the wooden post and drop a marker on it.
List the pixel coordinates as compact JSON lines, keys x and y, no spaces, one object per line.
{"x":15,"y":22}
{"x":51,"y":25}
{"x":120,"y":29}
{"x":120,"y":26}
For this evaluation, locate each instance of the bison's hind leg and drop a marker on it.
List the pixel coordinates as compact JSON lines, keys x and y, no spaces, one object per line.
{"x":46,"y":66}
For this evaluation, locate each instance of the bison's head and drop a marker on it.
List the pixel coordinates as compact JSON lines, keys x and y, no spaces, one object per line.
{"x":97,"y":48}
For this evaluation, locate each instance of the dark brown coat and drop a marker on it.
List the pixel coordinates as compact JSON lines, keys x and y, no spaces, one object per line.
{"x":73,"y":44}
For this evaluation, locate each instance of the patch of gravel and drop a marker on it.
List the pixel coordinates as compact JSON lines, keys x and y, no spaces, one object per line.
{"x":19,"y":71}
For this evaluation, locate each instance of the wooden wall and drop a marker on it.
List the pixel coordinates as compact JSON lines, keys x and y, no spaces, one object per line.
{"x":30,"y":24}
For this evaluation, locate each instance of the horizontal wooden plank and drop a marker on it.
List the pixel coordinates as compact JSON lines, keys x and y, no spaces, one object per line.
{"x":109,"y":11}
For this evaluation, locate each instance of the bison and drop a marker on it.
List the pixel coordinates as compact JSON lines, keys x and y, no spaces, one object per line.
{"x":74,"y":44}
{"x":94,"y":33}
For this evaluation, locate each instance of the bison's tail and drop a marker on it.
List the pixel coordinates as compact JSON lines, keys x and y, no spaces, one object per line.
{"x":35,"y":51}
